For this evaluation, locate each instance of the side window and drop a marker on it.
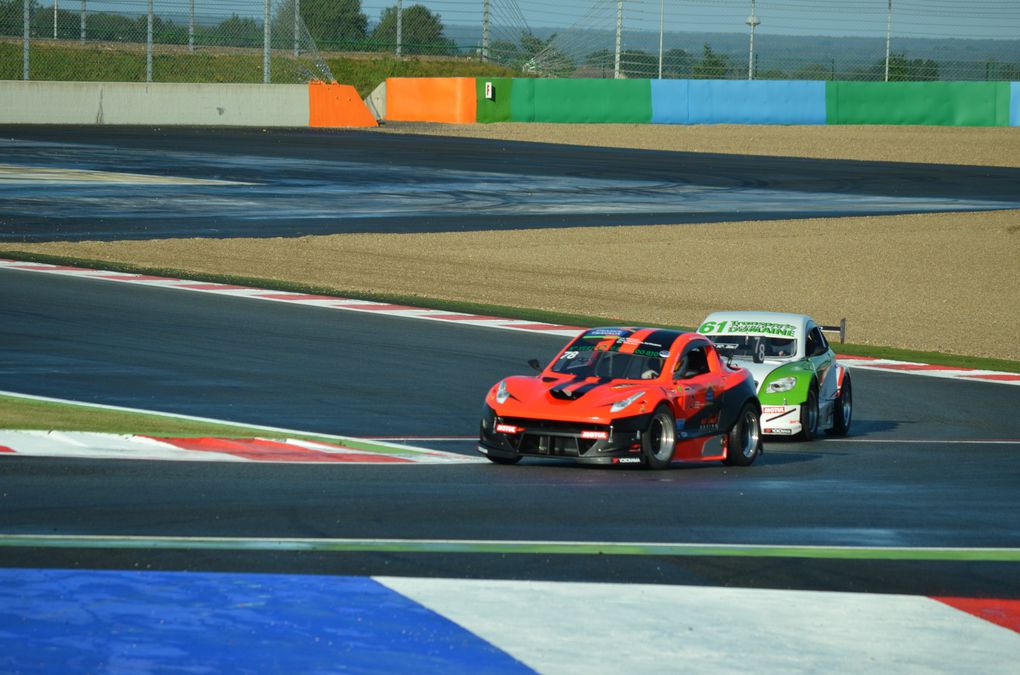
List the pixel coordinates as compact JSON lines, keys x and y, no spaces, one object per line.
{"x":816,"y":344}
{"x":693,"y":363}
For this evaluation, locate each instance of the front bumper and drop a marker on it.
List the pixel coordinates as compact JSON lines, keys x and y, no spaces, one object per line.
{"x":509,"y":437}
{"x":781,"y":420}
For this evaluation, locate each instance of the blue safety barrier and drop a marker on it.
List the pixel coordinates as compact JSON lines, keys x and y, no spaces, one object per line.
{"x":1014,"y":104}
{"x":738,"y":102}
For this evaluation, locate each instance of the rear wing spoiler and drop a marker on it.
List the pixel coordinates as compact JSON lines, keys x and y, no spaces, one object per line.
{"x":841,"y":329}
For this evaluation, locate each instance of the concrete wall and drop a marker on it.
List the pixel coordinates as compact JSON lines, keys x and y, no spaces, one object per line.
{"x":36,"y":102}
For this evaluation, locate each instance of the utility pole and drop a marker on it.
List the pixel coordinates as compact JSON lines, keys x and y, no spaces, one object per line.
{"x":486,"y":19}
{"x":661,"y":15}
{"x":888,"y":38}
{"x":619,"y":38}
{"x":753,"y":21}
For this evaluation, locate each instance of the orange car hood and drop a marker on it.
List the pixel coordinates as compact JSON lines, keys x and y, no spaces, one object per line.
{"x":574,"y":399}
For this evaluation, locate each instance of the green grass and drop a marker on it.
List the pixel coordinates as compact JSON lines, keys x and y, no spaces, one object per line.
{"x":29,"y":414}
{"x":126,"y":63}
{"x":509,"y":312}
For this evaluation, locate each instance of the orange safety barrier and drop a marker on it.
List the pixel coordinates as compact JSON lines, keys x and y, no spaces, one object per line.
{"x":431,"y":99}
{"x":337,"y":105}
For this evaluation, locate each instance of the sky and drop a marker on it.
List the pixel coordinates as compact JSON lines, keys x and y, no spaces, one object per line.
{"x":976,"y":19}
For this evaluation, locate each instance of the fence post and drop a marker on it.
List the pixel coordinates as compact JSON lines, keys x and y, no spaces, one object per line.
{"x":26,"y":18}
{"x":191,"y":26}
{"x":888,"y":38}
{"x":297,"y":19}
{"x":619,"y":35}
{"x":55,"y":3}
{"x":81,"y":32}
{"x":265,"y":42}
{"x":148,"y":43}
{"x":400,"y":26}
{"x":486,"y":19}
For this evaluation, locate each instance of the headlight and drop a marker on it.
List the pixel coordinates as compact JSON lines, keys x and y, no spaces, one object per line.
{"x":620,"y":405}
{"x":502,"y":394}
{"x":782,"y":384}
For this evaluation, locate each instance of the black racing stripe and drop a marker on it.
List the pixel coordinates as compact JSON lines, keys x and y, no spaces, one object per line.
{"x":581,"y":391}
{"x":663,"y":338}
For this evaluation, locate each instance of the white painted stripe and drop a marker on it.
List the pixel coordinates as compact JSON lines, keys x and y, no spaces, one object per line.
{"x":557,"y":627}
{"x":399,"y":449}
{"x":919,"y":441}
{"x":366,"y":306}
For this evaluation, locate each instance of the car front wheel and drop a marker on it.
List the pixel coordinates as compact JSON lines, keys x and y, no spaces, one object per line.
{"x":659,"y":441}
{"x":809,"y":416}
{"x":744,"y":442}
{"x":844,"y":409}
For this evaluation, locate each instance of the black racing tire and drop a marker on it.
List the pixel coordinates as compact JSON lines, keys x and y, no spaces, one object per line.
{"x":499,"y":459}
{"x":658,"y":442}
{"x":844,"y":409}
{"x":744,"y":442}
{"x":809,"y":415}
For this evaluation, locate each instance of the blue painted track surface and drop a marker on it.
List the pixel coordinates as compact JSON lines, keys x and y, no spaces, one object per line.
{"x":86,"y":621}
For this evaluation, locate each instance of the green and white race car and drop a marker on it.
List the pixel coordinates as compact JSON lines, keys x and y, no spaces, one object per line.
{"x":800,"y":384}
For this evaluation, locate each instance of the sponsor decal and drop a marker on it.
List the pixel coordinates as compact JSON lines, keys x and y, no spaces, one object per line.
{"x":745,"y":327}
{"x":785,"y":431}
{"x":507,"y":428}
{"x":772,"y":409}
{"x":709,"y":422}
{"x":604,"y":332}
{"x":680,"y":424}
{"x":626,"y":460}
{"x":709,"y":395}
{"x":600,"y":435}
{"x":664,"y":354}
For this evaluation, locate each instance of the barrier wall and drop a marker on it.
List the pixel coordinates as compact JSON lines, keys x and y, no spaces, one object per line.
{"x":496,"y":109}
{"x":168,"y":104}
{"x":452,"y":100}
{"x":738,"y":102}
{"x":1014,"y":104}
{"x":581,"y":101}
{"x":931,"y":103}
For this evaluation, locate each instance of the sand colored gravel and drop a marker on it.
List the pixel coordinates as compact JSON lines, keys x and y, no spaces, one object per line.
{"x":942,"y":282}
{"x":945,"y":282}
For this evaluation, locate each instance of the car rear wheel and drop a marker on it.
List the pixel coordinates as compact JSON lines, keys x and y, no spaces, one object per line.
{"x":844,"y":409}
{"x":809,"y":416}
{"x":659,"y":441}
{"x":744,"y":441}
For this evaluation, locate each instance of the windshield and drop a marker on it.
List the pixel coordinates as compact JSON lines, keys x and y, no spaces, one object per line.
{"x":596,"y":356}
{"x":745,"y":345}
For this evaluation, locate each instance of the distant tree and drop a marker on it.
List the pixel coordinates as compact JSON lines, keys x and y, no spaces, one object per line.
{"x":816,"y":71}
{"x":335,"y":24}
{"x":639,"y":64}
{"x":235,"y":32}
{"x":677,"y":63}
{"x":902,"y":69}
{"x":421,"y":32}
{"x":712,"y":66}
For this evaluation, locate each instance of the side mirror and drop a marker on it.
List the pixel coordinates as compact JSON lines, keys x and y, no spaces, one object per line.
{"x":535,"y":364}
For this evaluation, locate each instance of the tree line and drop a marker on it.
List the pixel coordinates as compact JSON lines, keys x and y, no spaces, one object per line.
{"x":334,"y":25}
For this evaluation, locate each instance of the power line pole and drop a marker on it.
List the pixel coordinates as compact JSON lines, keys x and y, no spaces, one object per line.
{"x":753,"y":21}
{"x":888,"y":38}
{"x":619,"y":38}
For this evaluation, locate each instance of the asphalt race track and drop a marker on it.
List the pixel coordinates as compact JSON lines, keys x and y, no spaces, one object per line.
{"x":130,"y":183}
{"x":930,"y":464}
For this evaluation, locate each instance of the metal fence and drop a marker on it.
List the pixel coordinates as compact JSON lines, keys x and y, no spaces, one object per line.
{"x":294,"y":40}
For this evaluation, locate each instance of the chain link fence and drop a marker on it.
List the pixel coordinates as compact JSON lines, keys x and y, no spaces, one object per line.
{"x":296,"y":40}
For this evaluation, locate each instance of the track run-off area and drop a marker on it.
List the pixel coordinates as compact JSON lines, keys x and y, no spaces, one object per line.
{"x":897,"y":546}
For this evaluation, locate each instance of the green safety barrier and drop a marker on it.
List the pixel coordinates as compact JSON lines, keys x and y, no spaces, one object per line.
{"x":497,"y":108}
{"x":581,"y":101}
{"x":965,"y":104}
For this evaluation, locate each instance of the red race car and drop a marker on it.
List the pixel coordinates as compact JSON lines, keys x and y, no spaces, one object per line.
{"x":627,"y":396}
